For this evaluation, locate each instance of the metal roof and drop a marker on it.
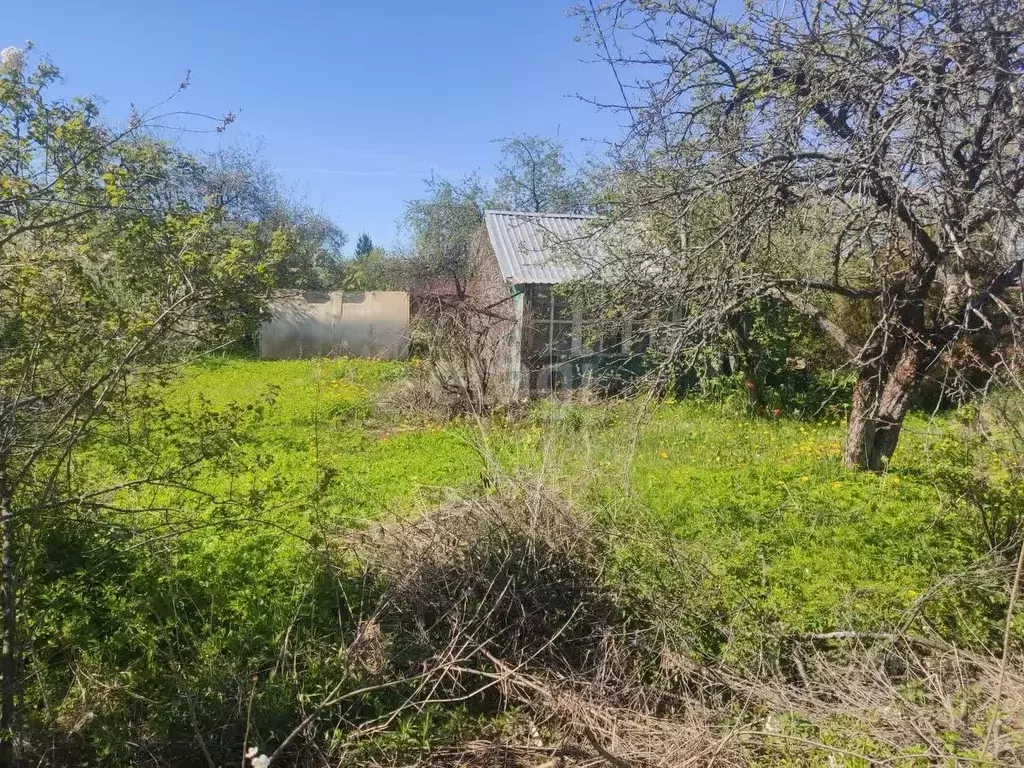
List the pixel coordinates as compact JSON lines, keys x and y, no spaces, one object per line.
{"x":537,"y":247}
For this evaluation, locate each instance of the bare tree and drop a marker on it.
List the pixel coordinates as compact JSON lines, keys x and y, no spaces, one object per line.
{"x":861,"y":161}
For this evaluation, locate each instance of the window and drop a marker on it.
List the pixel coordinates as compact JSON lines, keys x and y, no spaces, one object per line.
{"x":561,"y":348}
{"x":551,"y":338}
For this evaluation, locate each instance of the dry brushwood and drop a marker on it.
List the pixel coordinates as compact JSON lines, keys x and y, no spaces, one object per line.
{"x":505,"y":602}
{"x":519,"y":578}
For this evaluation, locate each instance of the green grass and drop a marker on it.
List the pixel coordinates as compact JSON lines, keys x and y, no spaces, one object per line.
{"x":176,"y":594}
{"x":322,"y":419}
{"x":790,"y":532}
{"x":790,"y":536}
{"x":223,"y":575}
{"x":790,"y":540}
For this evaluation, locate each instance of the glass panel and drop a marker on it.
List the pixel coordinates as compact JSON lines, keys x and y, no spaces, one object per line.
{"x":561,"y":344}
{"x":611,"y":341}
{"x":563,"y":311}
{"x":540,"y":301}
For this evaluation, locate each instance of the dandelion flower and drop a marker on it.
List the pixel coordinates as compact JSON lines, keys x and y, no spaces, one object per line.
{"x":805,"y":479}
{"x":664,"y":454}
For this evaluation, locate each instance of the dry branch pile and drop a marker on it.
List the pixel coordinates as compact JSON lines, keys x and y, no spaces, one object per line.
{"x":508,"y":604}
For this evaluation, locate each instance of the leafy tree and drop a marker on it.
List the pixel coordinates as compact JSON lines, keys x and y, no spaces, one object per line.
{"x":105,"y":274}
{"x":376,"y":270}
{"x":442,"y":226}
{"x":313,"y":259}
{"x":859,"y":161}
{"x":536,"y":175}
{"x":243,"y":185}
{"x":364,"y":245}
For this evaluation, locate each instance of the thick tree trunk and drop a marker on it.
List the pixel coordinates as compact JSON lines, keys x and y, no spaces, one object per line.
{"x":8,"y":653}
{"x":881,"y":399}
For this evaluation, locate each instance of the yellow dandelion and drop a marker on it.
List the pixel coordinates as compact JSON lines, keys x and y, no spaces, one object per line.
{"x":664,"y":454}
{"x":805,"y":479}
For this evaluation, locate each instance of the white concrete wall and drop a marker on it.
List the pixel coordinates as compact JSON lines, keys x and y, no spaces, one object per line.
{"x":316,"y":324}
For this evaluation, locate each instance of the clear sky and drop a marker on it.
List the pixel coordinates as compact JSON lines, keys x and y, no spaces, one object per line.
{"x":353,"y":103}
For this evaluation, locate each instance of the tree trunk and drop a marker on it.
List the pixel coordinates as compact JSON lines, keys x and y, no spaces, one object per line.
{"x":881,"y":399}
{"x":8,"y":653}
{"x":747,"y":362}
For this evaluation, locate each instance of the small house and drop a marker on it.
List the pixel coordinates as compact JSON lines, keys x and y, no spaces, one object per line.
{"x":539,"y":342}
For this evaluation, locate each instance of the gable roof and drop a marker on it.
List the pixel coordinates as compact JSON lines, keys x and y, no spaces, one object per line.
{"x":531,"y":247}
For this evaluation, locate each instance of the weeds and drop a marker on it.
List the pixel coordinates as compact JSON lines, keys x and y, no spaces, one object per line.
{"x":513,"y":603}
{"x":568,"y":583}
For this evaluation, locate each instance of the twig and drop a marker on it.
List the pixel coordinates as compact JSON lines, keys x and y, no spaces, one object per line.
{"x":992,"y":734}
{"x":922,"y":642}
{"x":330,"y":702}
{"x":616,"y":761}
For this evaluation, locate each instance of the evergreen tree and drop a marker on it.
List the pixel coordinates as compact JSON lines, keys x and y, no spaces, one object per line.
{"x":363,"y":245}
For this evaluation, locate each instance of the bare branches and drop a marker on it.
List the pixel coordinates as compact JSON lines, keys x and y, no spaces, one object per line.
{"x":892,"y":130}
{"x":837,"y":334}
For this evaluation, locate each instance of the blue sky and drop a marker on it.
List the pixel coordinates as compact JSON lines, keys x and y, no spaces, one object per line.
{"x":353,"y":103}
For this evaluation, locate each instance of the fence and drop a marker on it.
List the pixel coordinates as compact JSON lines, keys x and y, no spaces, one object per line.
{"x":317,"y":324}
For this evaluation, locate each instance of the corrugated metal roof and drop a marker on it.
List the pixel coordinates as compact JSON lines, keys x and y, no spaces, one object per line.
{"x":538,"y":247}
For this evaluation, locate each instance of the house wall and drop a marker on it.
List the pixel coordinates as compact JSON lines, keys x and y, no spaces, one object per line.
{"x":499,"y":311}
{"x":317,"y":324}
{"x":535,"y":338}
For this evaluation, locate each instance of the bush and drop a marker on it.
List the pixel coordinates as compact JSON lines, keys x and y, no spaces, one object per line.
{"x":979,"y":463}
{"x":518,"y":575}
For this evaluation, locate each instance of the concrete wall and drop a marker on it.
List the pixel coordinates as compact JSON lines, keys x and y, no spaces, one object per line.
{"x":316,"y":324}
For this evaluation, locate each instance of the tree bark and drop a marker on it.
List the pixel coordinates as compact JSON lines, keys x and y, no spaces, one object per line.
{"x":881,"y":399}
{"x":8,"y":653}
{"x":746,"y":354}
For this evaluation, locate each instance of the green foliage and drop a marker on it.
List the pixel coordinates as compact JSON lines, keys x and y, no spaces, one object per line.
{"x":110,"y":270}
{"x":218,"y":594}
{"x":311,"y":258}
{"x":54,"y":159}
{"x":363,"y":245}
{"x":978,"y":464}
{"x":442,"y":226}
{"x":248,"y":190}
{"x":533,"y":174}
{"x":190,"y":582}
{"x":375,"y":270}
